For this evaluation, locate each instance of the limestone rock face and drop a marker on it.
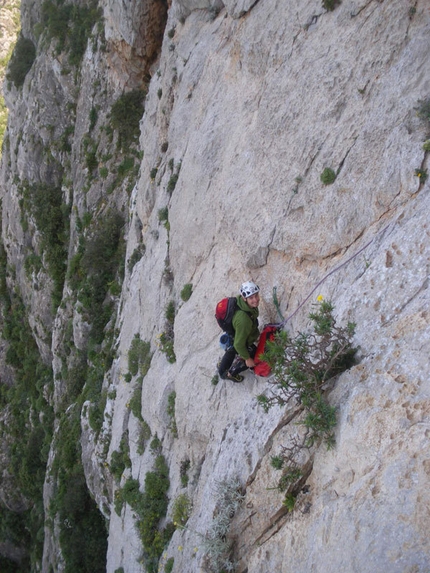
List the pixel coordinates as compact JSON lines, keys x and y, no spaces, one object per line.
{"x":135,"y":30}
{"x":248,"y":102}
{"x":9,"y":15}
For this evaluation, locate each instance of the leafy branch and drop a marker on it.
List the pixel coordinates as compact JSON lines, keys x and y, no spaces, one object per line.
{"x":303,"y":369}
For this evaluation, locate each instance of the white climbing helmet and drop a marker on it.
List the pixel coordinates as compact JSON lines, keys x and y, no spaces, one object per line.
{"x":248,"y":289}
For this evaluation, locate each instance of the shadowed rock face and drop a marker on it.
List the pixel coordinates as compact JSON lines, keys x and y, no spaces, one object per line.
{"x":134,"y":32}
{"x":247,"y":104}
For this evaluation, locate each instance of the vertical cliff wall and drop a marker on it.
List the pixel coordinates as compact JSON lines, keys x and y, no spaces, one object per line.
{"x":157,"y":155}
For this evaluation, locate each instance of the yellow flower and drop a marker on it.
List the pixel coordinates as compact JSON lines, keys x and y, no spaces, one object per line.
{"x":180,"y":548}
{"x":320,"y":298}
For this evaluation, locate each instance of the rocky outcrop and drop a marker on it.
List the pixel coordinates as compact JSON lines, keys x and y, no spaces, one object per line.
{"x":247,"y":103}
{"x":9,"y":17}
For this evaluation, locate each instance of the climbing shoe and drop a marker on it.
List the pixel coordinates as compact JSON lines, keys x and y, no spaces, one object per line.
{"x":234,"y":377}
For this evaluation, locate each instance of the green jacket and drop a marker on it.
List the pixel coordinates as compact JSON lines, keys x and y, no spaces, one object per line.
{"x":245,"y":326}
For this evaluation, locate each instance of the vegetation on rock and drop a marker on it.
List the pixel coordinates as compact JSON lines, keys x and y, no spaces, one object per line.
{"x":21,"y":61}
{"x":304,"y":367}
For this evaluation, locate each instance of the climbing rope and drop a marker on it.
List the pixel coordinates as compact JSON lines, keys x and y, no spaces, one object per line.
{"x":275,"y":299}
{"x":276,"y":303}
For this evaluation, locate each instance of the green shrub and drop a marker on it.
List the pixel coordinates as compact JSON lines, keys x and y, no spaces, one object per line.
{"x":171,"y":400}
{"x":96,"y":413}
{"x":426,"y":145}
{"x":328,"y":176}
{"x":166,"y":344}
{"x":155,"y":445}
{"x":120,"y":459}
{"x":21,"y":61}
{"x":139,"y":356}
{"x":181,"y":510}
{"x":131,"y":493}
{"x":330,"y":5}
{"x":64,"y":144}
{"x":186,"y":292}
{"x":170,"y":312}
{"x":144,"y":435}
{"x":136,"y":403}
{"x":91,"y":160}
{"x":277,"y":462}
{"x":30,"y":417}
{"x":291,"y":476}
{"x":174,"y":177}
{"x":96,"y":367}
{"x":168,"y":568}
{"x":75,"y":377}
{"x":83,"y":536}
{"x":114,"y":288}
{"x":32,"y":264}
{"x":71,"y":25}
{"x":183,"y":471}
{"x":125,"y":166}
{"x":51,"y":216}
{"x":126,"y":114}
{"x":82,"y":531}
{"x":136,"y":256}
{"x":153,"y":173}
{"x":93,"y":116}
{"x":423,"y":110}
{"x":154,"y":506}
{"x":163,"y":214}
{"x":302,"y":368}
{"x":94,"y":267}
{"x":150,"y":507}
{"x":422,"y":174}
{"x":172,"y":183}
{"x":145,"y":430}
{"x":289,"y":501}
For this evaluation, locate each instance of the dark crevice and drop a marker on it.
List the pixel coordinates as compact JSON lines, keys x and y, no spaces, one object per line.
{"x":268,"y":445}
{"x":246,"y":12}
{"x":366,"y":18}
{"x":311,"y":21}
{"x":424,"y":286}
{"x":345,"y":156}
{"x":412,"y":12}
{"x":279,"y":518}
{"x":312,"y":159}
{"x":355,"y":14}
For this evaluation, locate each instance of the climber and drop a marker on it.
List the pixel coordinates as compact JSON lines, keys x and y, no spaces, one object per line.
{"x":246,"y":333}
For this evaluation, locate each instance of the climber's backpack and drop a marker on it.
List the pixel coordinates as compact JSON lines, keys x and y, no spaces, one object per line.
{"x":224,"y":312}
{"x":268,"y":333}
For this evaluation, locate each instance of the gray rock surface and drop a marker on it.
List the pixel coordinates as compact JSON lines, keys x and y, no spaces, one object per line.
{"x":254,"y":100}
